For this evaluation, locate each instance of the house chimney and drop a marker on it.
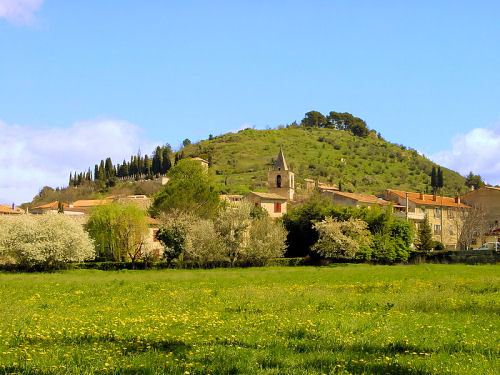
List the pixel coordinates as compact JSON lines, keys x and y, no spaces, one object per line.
{"x":457,"y":199}
{"x":434,"y":197}
{"x":422,"y":196}
{"x":13,"y":206}
{"x":472,"y":188}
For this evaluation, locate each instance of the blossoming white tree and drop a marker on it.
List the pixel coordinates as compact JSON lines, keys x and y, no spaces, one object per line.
{"x":45,"y":239}
{"x":341,"y":239}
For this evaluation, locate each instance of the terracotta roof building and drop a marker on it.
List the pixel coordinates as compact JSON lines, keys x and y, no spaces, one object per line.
{"x":274,"y":204}
{"x":10,"y":210}
{"x":357,"y":200}
{"x":443,"y":213}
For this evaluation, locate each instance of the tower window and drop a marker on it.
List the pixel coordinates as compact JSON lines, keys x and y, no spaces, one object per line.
{"x":278,"y":181}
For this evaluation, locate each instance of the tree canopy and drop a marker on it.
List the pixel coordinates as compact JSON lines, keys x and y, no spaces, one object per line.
{"x":335,"y":120}
{"x":190,"y":189}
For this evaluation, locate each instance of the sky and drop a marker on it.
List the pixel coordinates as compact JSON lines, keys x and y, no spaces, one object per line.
{"x":84,"y":80}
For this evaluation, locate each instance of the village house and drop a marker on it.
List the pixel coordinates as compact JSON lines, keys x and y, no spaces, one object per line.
{"x":342,"y":198}
{"x":274,"y":204}
{"x":486,"y":198}
{"x":10,"y":210}
{"x":445,"y":214}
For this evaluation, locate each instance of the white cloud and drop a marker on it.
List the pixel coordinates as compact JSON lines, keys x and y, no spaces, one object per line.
{"x":19,"y":11}
{"x":32,"y":157}
{"x":477,"y":151}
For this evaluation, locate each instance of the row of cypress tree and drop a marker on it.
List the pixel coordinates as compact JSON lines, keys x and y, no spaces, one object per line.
{"x":138,"y":167}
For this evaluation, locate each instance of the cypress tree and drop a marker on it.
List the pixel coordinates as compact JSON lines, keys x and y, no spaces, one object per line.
{"x":166,"y":163}
{"x":424,"y":237}
{"x":156,"y":165}
{"x":96,"y":172}
{"x":434,"y":181}
{"x":70,"y":179}
{"x":440,"y":179}
{"x":102,"y":171}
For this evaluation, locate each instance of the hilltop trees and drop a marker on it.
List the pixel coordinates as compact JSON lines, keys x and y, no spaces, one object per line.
{"x":139,"y":167}
{"x":335,"y":120}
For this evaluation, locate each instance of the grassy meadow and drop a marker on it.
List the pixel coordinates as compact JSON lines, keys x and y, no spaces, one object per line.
{"x":425,"y":319}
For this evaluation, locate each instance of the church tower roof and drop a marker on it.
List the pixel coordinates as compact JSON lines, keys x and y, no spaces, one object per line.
{"x":280,"y":162}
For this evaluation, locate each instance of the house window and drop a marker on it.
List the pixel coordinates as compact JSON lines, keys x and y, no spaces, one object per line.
{"x":437,"y":212}
{"x":256,"y":204}
{"x":278,"y":181}
{"x":437,"y":229}
{"x":451,"y":214}
{"x":277,"y":207}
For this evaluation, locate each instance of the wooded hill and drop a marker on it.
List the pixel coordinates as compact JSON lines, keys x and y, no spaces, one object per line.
{"x":337,"y":148}
{"x":360,"y":164}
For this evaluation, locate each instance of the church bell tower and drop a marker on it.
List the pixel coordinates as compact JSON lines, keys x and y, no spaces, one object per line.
{"x":281,"y":180}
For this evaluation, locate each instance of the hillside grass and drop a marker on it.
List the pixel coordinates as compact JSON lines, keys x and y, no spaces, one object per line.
{"x":365,"y":165}
{"x":425,"y":319}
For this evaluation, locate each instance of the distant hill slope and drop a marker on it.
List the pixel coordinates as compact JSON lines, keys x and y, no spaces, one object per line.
{"x":366,"y":165}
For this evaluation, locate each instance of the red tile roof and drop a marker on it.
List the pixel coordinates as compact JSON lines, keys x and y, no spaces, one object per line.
{"x":428,"y":199}
{"x":268,"y":195}
{"x":54,"y":204}
{"x":90,"y":202}
{"x":363,"y":198}
{"x":6,"y":209}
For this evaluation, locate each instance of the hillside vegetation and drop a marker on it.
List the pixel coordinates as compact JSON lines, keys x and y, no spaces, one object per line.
{"x":338,"y":149}
{"x":361,"y":164}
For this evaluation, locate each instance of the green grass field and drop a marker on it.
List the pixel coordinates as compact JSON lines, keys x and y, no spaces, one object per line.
{"x":425,"y":319}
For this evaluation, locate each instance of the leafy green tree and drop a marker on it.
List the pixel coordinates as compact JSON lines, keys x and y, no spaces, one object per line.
{"x":313,"y":119}
{"x":424,"y":236}
{"x":473,"y":180}
{"x":346,"y":121}
{"x":189,"y":189}
{"x":119,"y":231}
{"x":186,"y":142}
{"x":173,"y":239}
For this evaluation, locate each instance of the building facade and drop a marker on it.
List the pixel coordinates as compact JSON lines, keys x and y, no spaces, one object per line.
{"x":445,"y":214}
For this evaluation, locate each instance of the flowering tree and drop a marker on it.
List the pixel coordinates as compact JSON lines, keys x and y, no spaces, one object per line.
{"x":266,"y":240}
{"x":46,"y":239}
{"x":341,"y":239}
{"x":232,"y":225}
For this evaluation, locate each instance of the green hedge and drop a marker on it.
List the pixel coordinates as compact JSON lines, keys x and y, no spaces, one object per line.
{"x":455,"y":256}
{"x":116,"y":266}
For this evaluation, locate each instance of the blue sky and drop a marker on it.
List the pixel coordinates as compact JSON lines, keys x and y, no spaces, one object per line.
{"x":83,"y":80}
